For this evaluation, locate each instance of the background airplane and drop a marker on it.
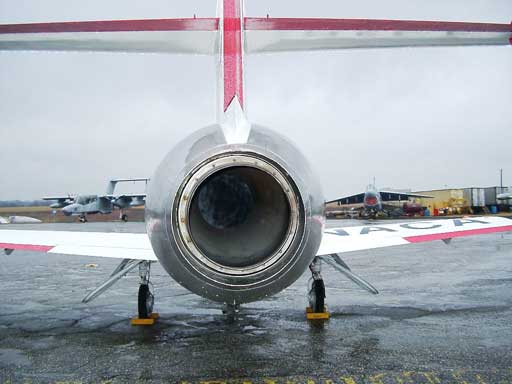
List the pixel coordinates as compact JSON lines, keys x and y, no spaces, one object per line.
{"x":234,"y":212}
{"x":18,"y":220}
{"x":504,"y":196}
{"x":371,"y":202}
{"x":83,"y":205}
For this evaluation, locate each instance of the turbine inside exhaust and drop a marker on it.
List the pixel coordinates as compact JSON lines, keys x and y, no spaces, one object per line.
{"x":239,"y":216}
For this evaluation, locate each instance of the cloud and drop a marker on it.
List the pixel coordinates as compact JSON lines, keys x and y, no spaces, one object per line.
{"x":414,"y":118}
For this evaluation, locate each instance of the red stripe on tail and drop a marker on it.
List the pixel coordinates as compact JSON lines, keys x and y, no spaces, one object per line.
{"x":232,"y":55}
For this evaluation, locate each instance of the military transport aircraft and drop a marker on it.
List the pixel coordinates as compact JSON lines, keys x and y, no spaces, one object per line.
{"x":83,"y":205}
{"x":371,"y":201}
{"x":234,"y":212}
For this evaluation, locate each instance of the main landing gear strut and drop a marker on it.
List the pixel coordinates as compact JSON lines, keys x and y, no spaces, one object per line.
{"x":317,"y":308}
{"x":123,"y":216}
{"x":146,"y":299}
{"x":316,"y":296}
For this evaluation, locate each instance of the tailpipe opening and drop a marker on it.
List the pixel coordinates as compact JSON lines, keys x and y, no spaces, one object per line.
{"x":238,"y":214}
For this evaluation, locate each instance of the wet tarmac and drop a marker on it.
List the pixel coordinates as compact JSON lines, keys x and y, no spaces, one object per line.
{"x":444,"y":315}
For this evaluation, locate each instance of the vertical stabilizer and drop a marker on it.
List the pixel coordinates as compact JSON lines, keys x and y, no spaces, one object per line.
{"x":230,"y":72}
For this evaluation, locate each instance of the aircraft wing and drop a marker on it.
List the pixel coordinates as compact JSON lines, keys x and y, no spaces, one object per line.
{"x":301,"y":34}
{"x":100,"y":244}
{"x":58,"y":198}
{"x":127,"y":200}
{"x":347,"y":239}
{"x":398,"y":196}
{"x":335,"y":240}
{"x":132,"y":196}
{"x":126,"y":195}
{"x":353,"y":199}
{"x":62,"y":201}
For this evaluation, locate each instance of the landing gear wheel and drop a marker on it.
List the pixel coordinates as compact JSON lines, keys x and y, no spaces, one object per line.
{"x":83,"y":219}
{"x":317,"y":296}
{"x":146,"y":301}
{"x":124,"y":217}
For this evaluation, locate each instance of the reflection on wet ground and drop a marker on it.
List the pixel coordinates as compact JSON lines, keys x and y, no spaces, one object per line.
{"x":444,"y":315}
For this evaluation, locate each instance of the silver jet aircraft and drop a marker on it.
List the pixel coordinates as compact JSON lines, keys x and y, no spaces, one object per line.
{"x":504,"y":196}
{"x":234,"y":212}
{"x":83,"y":205}
{"x":372,"y":201}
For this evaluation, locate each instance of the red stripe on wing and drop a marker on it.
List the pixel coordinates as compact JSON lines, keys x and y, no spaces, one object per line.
{"x":449,"y":235}
{"x":188,"y":24}
{"x":27,"y":247}
{"x":290,"y":24}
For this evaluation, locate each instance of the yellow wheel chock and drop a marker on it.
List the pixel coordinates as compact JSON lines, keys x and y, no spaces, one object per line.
{"x":149,"y":321}
{"x":310,"y":315}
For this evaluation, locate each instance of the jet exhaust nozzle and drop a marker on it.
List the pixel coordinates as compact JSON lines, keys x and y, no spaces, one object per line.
{"x":234,"y":223}
{"x":238,"y":214}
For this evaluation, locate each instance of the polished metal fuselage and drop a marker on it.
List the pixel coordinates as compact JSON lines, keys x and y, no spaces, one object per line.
{"x":163,"y":219}
{"x":88,"y":204}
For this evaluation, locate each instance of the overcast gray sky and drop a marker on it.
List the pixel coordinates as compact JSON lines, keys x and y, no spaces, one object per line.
{"x":413,"y":118}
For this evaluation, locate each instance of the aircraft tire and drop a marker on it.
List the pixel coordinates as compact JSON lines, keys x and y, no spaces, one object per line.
{"x":318,"y":289}
{"x":124,"y":218}
{"x":146,"y":300}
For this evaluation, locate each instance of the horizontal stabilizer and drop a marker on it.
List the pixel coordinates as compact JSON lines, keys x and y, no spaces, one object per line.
{"x":192,"y":35}
{"x":111,"y":186}
{"x":59,"y":198}
{"x":199,"y":35}
{"x":305,"y":34}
